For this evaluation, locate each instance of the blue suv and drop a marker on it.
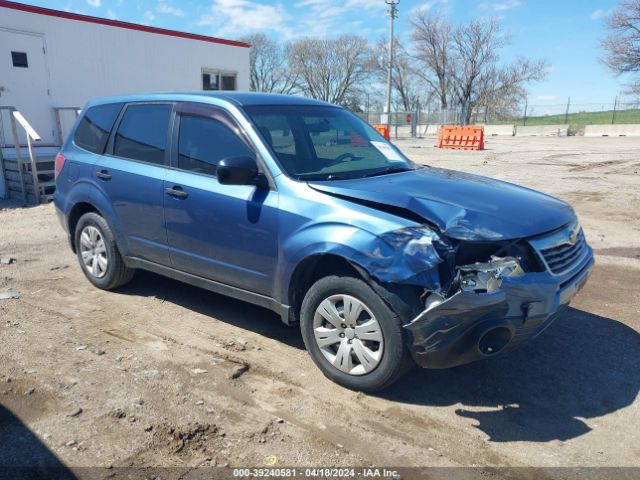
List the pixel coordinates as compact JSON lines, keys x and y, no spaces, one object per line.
{"x":299,"y":206}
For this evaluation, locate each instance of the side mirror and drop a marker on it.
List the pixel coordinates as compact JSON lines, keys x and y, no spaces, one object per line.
{"x":239,"y":171}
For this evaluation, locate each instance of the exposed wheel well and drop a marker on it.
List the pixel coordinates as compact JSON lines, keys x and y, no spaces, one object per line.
{"x":312,"y":269}
{"x":403,"y":299}
{"x":77,"y":211}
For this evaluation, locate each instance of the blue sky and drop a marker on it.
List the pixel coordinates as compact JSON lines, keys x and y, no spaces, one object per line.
{"x":566,"y":32}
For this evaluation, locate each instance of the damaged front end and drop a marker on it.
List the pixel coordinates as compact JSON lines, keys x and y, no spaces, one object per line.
{"x":491,"y":306}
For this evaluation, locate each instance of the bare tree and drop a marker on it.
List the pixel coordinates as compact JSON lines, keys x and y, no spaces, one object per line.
{"x":331,"y":69}
{"x":463,"y":66}
{"x":268,"y":63}
{"x":623,"y":42}
{"x":432,"y":41}
{"x":477,"y":77}
{"x":404,"y":79}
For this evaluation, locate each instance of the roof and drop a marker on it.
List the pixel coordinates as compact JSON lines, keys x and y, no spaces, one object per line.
{"x":242,"y":99}
{"x":117,"y":23}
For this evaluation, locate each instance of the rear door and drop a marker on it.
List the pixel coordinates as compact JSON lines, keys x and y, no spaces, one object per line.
{"x":227,"y":233}
{"x":131,"y":174}
{"x":24,"y":84}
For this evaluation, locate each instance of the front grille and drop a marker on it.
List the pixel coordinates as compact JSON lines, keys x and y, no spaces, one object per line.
{"x":562,"y":250}
{"x":561,"y":257}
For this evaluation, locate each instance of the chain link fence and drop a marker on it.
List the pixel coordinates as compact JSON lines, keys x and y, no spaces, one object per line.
{"x":425,"y":121}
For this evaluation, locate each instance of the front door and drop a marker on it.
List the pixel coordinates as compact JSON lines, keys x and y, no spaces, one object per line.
{"x":24,"y":85}
{"x":226,"y":233}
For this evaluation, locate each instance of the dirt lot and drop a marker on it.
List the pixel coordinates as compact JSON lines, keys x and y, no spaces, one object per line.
{"x":163,"y":374}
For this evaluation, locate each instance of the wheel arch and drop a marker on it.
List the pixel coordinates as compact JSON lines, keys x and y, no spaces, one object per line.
{"x":85,"y":198}
{"x":403,"y":299}
{"x":311,"y":269}
{"x":76,"y":212}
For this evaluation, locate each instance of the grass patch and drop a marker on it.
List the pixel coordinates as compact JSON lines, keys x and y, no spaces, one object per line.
{"x":578,"y":121}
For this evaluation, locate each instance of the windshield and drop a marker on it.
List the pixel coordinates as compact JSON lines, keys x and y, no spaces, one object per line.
{"x":325,"y":143}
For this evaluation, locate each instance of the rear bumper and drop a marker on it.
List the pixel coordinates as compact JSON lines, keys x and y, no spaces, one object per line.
{"x":470,"y":326}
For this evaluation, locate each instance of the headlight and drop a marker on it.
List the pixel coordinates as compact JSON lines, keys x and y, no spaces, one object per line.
{"x":421,"y":242}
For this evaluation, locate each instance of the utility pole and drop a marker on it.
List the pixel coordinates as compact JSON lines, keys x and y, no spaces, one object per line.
{"x":566,"y":115}
{"x":615,"y":107}
{"x":392,"y":12}
{"x":366,"y":106}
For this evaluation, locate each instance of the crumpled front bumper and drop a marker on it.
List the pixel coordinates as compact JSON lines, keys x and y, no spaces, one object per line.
{"x":469,"y":325}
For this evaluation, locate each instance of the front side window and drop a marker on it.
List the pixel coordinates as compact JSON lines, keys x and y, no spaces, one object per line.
{"x":142,"y":133}
{"x":203,"y":142}
{"x":94,"y":128}
{"x":325,"y":143}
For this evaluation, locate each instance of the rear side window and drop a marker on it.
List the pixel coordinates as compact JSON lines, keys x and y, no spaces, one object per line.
{"x":203,"y":142}
{"x":142,"y":133}
{"x":93,"y":131}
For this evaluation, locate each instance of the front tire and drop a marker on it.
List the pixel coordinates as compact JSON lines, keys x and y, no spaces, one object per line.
{"x":352,"y":335}
{"x":98,"y":253}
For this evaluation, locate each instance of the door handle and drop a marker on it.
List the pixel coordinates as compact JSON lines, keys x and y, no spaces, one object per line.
{"x":177,"y":192}
{"x":103,"y":175}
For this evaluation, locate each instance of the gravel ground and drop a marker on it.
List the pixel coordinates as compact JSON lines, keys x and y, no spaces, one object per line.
{"x":159,"y":373}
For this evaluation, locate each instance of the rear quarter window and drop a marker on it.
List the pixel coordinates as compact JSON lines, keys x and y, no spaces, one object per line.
{"x":94,"y":128}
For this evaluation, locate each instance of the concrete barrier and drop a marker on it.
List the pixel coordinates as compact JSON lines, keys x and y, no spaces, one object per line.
{"x":428,"y":130}
{"x":422,"y":130}
{"x":542,"y":131}
{"x":612,"y":130}
{"x":495,"y":130}
{"x":400,"y":131}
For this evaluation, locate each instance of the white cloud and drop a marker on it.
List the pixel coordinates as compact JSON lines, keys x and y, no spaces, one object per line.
{"x":598,"y":14}
{"x":242,"y":17}
{"x":315,"y":18}
{"x":149,"y":15}
{"x":94,"y":3}
{"x":322,"y":9}
{"x":501,"y":6}
{"x":164,"y":7}
{"x":426,"y":6}
{"x":111,"y":15}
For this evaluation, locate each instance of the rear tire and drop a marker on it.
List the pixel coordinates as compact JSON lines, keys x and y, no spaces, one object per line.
{"x":98,"y":253}
{"x":352,"y":335}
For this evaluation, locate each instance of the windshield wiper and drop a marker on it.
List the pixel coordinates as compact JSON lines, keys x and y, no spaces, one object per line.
{"x":329,"y":176}
{"x":387,"y":171}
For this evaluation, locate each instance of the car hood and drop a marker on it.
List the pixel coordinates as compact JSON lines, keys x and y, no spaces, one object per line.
{"x":463,"y":206}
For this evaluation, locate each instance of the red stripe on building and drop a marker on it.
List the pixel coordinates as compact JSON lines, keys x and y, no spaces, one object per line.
{"x":116,"y":23}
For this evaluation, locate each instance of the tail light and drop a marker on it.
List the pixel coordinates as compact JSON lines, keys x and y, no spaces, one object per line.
{"x":59,"y":164}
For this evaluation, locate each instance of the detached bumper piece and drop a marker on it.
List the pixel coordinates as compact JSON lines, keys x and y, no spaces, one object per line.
{"x":497,"y":307}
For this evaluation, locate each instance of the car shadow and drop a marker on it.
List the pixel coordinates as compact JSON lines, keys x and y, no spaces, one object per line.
{"x":582,"y":367}
{"x":234,"y":312}
{"x":23,"y":455}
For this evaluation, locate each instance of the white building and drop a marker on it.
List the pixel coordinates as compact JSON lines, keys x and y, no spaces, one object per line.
{"x":51,"y":59}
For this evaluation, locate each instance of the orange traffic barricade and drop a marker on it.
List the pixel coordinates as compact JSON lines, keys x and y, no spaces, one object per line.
{"x":461,"y":138}
{"x":383,"y":130}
